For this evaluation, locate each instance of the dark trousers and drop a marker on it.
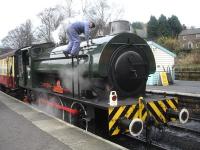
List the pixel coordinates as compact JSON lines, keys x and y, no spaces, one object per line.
{"x":74,"y":41}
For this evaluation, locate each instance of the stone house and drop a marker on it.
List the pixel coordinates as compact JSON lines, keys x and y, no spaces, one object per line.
{"x":190,"y":39}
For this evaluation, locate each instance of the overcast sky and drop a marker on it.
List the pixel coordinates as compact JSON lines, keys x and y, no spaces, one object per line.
{"x":16,"y":12}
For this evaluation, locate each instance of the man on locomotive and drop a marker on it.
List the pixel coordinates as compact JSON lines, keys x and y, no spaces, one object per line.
{"x":73,"y":32}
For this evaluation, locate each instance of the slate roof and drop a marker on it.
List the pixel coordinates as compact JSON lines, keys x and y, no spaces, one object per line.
{"x":190,"y":31}
{"x":5,"y":50}
{"x":7,"y":53}
{"x":162,"y":48}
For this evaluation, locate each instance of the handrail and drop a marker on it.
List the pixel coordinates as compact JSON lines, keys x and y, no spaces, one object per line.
{"x":68,"y":57}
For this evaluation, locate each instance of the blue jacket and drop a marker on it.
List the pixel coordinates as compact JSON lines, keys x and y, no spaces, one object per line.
{"x":82,"y":27}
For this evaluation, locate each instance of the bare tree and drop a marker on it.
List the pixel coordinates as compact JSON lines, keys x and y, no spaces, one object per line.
{"x":26,"y":29}
{"x":20,"y":36}
{"x":100,"y":12}
{"x":96,"y":12}
{"x":68,"y":13}
{"x":50,"y":19}
{"x":69,"y":10}
{"x":62,"y":35}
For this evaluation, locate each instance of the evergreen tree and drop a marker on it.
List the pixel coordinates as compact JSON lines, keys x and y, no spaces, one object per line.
{"x":152,"y":28}
{"x":164,"y":27}
{"x":175,"y":26}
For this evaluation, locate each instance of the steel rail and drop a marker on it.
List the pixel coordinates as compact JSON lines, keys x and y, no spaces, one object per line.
{"x":151,"y":143}
{"x":179,"y":128}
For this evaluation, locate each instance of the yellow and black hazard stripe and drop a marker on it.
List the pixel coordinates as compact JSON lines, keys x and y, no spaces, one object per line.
{"x":155,"y":108}
{"x":115,"y":113}
{"x":158,"y":108}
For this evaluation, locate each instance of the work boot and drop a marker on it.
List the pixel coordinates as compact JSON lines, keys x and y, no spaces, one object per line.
{"x":74,"y":55}
{"x":66,"y":53}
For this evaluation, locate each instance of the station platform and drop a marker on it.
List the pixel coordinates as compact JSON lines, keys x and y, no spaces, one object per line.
{"x":25,"y":128}
{"x":180,"y":87}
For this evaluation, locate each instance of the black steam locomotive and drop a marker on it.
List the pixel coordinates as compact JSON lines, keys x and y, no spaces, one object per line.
{"x":102,"y":89}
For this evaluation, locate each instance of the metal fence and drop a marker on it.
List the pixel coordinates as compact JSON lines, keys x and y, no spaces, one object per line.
{"x":187,"y":75}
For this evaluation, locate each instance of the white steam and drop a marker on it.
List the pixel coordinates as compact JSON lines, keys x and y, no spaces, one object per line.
{"x":42,"y":105}
{"x":63,"y":26}
{"x":69,"y":75}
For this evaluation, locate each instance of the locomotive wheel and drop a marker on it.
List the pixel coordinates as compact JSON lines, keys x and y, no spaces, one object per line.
{"x":58,"y":113}
{"x":40,"y":97}
{"x":31,"y":96}
{"x":78,"y":120}
{"x":2,"y":88}
{"x":48,"y":104}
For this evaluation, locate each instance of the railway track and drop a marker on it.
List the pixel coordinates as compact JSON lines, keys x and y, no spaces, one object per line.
{"x":148,"y":144}
{"x":191,"y":130}
{"x":171,"y":135}
{"x":195,"y":119}
{"x":185,"y":129}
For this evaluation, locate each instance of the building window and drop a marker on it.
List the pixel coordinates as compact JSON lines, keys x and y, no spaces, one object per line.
{"x":197,"y":36}
{"x":190,"y":45}
{"x":197,"y":46}
{"x":184,"y":37}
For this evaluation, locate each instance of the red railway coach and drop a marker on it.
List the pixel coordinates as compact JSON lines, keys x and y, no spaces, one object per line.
{"x":8,"y":79}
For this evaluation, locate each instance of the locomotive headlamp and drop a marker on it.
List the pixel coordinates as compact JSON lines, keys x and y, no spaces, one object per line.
{"x":113,"y":98}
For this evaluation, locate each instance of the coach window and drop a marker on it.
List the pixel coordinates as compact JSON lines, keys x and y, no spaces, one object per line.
{"x":0,"y":68}
{"x":25,"y":57}
{"x":197,"y":36}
